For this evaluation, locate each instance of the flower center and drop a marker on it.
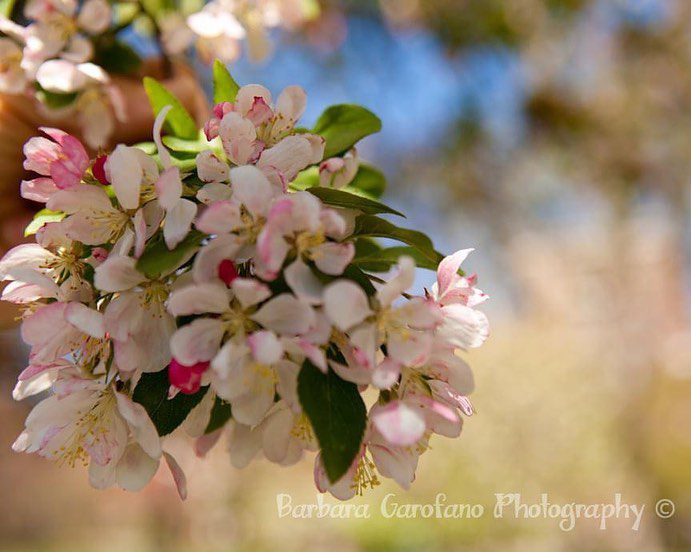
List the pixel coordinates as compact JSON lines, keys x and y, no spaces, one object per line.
{"x":365,"y":476}
{"x":89,"y":436}
{"x":302,"y":429}
{"x":305,"y":241}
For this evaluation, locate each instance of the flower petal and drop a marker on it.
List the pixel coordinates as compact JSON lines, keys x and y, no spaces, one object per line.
{"x":346,"y":304}
{"x":285,"y":315}
{"x":125,"y":174}
{"x":265,"y":346}
{"x":304,"y":283}
{"x":141,"y":425}
{"x":198,"y":341}
{"x":178,"y":222}
{"x":399,"y":424}
{"x":117,"y":273}
{"x":198,"y":299}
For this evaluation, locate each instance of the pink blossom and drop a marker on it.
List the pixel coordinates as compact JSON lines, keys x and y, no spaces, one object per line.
{"x":61,"y":161}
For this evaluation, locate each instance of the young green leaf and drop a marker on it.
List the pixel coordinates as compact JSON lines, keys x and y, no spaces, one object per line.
{"x":44,"y":216}
{"x":220,"y":414}
{"x":199,"y":144}
{"x":225,"y":87}
{"x":179,"y":122}
{"x":342,"y":126}
{"x":166,"y":414}
{"x":157,"y":260}
{"x":366,"y":247}
{"x":54,"y":100}
{"x":341,"y":198}
{"x":338,"y":415}
{"x":308,"y":178}
{"x":6,"y":8}
{"x":375,"y":227}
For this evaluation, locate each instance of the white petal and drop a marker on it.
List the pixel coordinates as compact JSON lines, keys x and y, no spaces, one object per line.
{"x":447,"y":272}
{"x":212,"y":192}
{"x":399,"y":424}
{"x":210,"y":168}
{"x":346,"y":304}
{"x":198,"y":299}
{"x":135,"y":469}
{"x":117,"y":273}
{"x":198,"y":341}
{"x":250,"y":292}
{"x":276,"y":435}
{"x":291,"y":103}
{"x":251,"y":188}
{"x":94,"y":16}
{"x":178,"y":475}
{"x":402,"y":281}
{"x":85,"y":319}
{"x":243,"y":445}
{"x":60,"y":76}
{"x":125,"y":173}
{"x":178,"y":222}
{"x":304,"y":283}
{"x":221,"y":217}
{"x":250,"y":408}
{"x":247,"y":94}
{"x":141,"y":425}
{"x":169,"y":188}
{"x":208,"y":259}
{"x":285,"y":315}
{"x":158,"y":127}
{"x":333,"y":258}
{"x":265,"y":346}
{"x":288,"y":157}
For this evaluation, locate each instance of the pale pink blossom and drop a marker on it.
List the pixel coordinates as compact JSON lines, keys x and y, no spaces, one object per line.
{"x":61,"y":161}
{"x":87,"y":421}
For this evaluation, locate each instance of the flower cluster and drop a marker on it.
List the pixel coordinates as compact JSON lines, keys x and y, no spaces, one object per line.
{"x":219,"y":28}
{"x":54,"y":55}
{"x":67,"y":54}
{"x":234,"y":293}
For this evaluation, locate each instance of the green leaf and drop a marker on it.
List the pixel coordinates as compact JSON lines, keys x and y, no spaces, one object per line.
{"x":375,"y":227}
{"x":337,"y":414}
{"x":309,"y":178}
{"x":54,"y":100}
{"x":6,"y":7}
{"x":116,"y":57}
{"x":342,"y":126}
{"x":157,"y":260}
{"x":166,"y":414}
{"x":225,"y":87}
{"x":369,"y":180}
{"x":44,"y":216}
{"x":199,"y":144}
{"x":178,"y":122}
{"x":220,"y":414}
{"x":147,"y":147}
{"x":384,"y":259}
{"x":341,"y":198}
{"x":366,"y":247}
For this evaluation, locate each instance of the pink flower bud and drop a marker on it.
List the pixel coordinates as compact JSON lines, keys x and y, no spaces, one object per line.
{"x":227,"y":271}
{"x":186,"y":378}
{"x":99,"y":169}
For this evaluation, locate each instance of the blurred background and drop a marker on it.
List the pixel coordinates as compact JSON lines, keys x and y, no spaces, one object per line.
{"x":555,"y":137}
